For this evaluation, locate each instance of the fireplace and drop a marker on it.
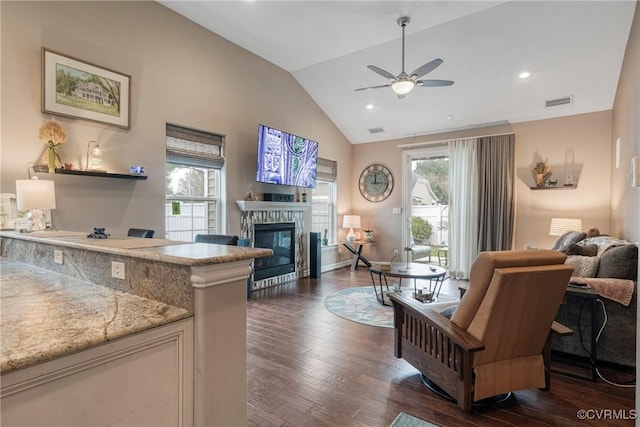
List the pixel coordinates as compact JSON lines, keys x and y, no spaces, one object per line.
{"x":280,"y":237}
{"x":260,"y":213}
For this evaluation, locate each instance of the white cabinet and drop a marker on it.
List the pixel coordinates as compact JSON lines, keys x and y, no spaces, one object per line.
{"x":144,"y":379}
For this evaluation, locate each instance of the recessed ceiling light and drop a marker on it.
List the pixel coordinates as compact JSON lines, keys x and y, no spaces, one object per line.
{"x":369,"y":106}
{"x":450,"y":117}
{"x":524,"y":74}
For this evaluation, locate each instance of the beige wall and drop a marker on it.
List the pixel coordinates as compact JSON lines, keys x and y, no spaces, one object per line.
{"x":186,"y":75}
{"x":586,"y":138}
{"x":625,"y":199}
{"x":181,"y":73}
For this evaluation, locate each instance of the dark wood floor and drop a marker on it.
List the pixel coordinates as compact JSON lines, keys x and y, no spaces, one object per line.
{"x":308,"y":367}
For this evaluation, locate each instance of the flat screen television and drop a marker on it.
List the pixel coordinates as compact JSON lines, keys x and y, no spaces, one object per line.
{"x":286,"y":159}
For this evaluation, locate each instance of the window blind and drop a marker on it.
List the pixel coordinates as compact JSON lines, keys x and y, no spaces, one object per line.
{"x":194,"y":147}
{"x":327,"y":170}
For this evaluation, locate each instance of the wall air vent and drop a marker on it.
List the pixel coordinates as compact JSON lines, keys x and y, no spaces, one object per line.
{"x":558,"y":101}
{"x":376,"y":130}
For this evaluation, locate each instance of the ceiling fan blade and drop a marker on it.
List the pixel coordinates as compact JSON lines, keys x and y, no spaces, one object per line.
{"x":372,"y":87}
{"x":434,"y":83}
{"x":426,"y":68}
{"x":382,"y":72}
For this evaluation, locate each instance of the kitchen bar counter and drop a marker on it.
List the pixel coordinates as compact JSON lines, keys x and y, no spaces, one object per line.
{"x":46,"y":315}
{"x":157,"y":327}
{"x":161,"y":250}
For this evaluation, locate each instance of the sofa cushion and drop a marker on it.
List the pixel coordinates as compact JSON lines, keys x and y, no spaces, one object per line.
{"x":620,"y":262}
{"x":583,"y":266}
{"x":584,"y":250}
{"x":568,"y":239}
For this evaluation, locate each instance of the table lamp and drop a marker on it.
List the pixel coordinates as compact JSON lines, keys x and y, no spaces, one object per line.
{"x":36,"y":195}
{"x":351,"y":222}
{"x":559,"y":226}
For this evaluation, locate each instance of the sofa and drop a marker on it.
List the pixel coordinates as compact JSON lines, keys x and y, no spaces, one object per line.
{"x":609,"y":266}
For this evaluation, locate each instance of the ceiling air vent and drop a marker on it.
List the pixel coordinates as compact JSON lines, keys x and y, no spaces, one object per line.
{"x":376,"y":130}
{"x":558,"y":101}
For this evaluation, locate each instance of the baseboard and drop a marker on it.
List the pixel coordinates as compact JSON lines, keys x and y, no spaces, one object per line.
{"x":335,"y":266}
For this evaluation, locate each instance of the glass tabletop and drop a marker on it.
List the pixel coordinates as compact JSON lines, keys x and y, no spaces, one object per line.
{"x":412,"y":270}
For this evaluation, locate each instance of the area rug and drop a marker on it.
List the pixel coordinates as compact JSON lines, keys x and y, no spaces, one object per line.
{"x":406,"y":420}
{"x":360,"y":305}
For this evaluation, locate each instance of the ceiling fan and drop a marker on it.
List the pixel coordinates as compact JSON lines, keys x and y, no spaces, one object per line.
{"x":403,"y":83}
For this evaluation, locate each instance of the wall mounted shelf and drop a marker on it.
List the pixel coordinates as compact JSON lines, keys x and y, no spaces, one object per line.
{"x":98,"y":174}
{"x":559,"y":187}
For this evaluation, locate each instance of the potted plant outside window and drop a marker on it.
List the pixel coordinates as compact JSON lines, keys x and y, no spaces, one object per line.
{"x":421,"y":230}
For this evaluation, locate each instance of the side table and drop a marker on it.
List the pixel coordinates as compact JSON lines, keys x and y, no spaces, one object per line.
{"x":357,"y":252}
{"x":415,"y":271}
{"x":589,"y":296}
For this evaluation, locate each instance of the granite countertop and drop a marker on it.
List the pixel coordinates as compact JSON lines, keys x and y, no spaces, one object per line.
{"x":169,"y":251}
{"x":46,"y":315}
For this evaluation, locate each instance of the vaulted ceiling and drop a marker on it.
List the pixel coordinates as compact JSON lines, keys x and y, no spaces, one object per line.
{"x":572,"y":49}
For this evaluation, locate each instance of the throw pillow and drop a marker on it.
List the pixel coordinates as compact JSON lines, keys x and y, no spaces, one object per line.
{"x":583,"y":266}
{"x":602,"y":240}
{"x":568,"y":239}
{"x":584,"y":250}
{"x":620,"y":262}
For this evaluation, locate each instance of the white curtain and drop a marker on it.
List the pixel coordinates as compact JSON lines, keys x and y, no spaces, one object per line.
{"x":463,"y":214}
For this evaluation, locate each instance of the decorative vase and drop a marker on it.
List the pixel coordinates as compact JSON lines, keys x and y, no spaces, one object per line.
{"x":52,"y":160}
{"x":408,"y":250}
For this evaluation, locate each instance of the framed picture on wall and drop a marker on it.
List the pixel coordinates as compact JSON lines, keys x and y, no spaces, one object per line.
{"x":79,"y":89}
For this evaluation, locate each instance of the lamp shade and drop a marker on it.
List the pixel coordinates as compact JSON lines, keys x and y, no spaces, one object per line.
{"x":351,"y":221}
{"x":35,"y":194}
{"x":559,"y":226}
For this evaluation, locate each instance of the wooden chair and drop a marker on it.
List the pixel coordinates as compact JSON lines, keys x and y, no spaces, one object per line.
{"x":497,"y":339}
{"x":220,"y":239}
{"x":140,"y":232}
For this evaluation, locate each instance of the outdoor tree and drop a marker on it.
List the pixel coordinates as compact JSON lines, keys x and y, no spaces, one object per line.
{"x":185,"y":181}
{"x":436,"y":171}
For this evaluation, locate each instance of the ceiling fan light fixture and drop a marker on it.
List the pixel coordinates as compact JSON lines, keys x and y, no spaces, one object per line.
{"x":402,"y":87}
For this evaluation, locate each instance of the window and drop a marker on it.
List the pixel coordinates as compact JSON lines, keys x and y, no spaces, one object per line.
{"x":194,"y":183}
{"x":323,"y":203}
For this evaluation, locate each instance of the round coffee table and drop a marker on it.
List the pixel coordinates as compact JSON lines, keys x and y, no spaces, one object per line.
{"x":434,"y":274}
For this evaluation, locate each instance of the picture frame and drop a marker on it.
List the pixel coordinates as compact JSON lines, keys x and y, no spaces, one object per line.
{"x":79,"y":89}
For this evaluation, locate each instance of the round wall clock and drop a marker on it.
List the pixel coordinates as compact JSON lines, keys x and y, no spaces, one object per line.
{"x":376,"y":182}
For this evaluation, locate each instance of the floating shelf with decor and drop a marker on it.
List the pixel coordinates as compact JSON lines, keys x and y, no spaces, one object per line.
{"x":558,"y":187}
{"x":560,"y":177}
{"x":101,"y":174}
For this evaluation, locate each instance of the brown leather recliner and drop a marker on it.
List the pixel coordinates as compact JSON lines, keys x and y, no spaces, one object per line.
{"x":497,"y":340}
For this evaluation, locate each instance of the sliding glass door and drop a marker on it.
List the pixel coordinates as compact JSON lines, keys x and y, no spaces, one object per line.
{"x":426,"y":201}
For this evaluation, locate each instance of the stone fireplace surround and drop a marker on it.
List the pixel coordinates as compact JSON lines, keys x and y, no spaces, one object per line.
{"x":259,"y":212}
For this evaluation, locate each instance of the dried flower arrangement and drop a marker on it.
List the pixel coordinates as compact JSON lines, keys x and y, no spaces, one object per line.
{"x":54,"y":135}
{"x":541,"y":173}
